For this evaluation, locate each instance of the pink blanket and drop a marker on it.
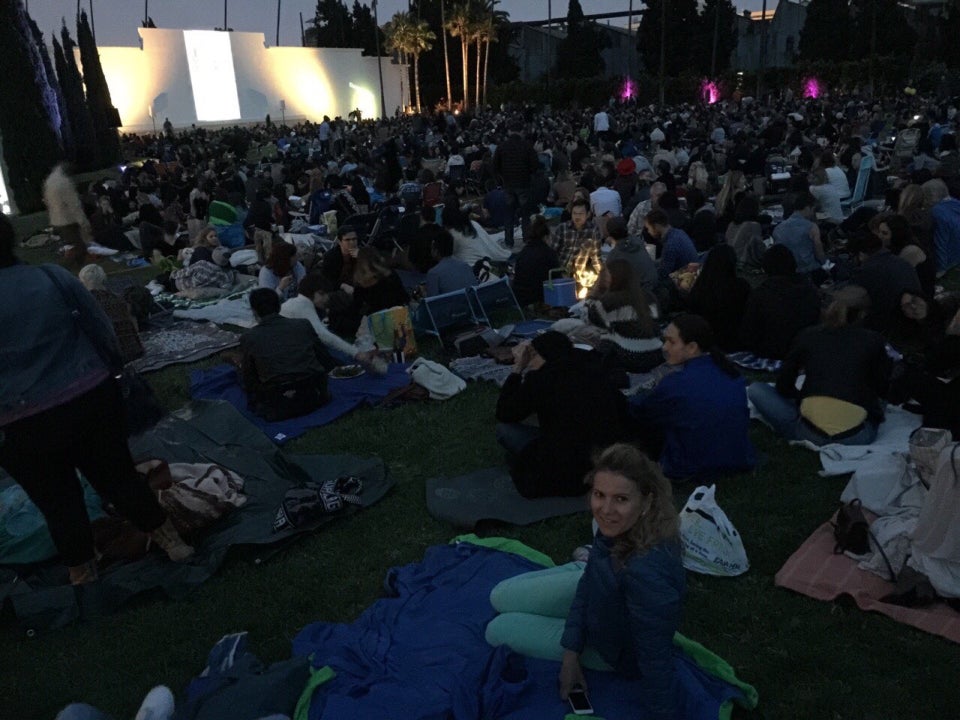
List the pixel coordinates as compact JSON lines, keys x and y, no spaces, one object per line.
{"x":814,"y":570}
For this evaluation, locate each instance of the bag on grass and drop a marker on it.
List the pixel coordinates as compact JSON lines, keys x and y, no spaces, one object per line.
{"x":302,"y":505}
{"x":711,"y":544}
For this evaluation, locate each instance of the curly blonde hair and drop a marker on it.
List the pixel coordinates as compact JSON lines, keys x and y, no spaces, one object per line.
{"x":660,"y":521}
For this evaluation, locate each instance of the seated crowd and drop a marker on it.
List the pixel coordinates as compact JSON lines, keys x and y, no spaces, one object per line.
{"x":681,"y":249}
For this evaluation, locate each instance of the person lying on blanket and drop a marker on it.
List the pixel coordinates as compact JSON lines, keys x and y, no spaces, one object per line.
{"x":283,"y":364}
{"x":619,"y":612}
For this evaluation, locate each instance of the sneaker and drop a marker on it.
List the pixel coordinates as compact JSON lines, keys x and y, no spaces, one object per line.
{"x":582,"y":553}
{"x":157,"y":705}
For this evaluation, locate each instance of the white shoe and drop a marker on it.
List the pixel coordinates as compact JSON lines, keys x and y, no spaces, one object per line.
{"x":157,"y":705}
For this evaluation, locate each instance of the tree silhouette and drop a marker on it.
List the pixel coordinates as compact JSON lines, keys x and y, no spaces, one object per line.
{"x":81,"y":124}
{"x":31,"y":146}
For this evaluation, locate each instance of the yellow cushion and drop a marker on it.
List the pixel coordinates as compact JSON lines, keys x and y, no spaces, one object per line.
{"x":831,"y":416}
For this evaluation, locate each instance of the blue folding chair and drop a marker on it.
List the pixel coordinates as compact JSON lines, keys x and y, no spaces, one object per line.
{"x":494,"y":295}
{"x":443,"y":313}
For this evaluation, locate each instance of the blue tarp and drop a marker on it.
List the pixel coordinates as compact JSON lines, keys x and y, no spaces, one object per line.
{"x":421,"y":654}
{"x":221,"y":383}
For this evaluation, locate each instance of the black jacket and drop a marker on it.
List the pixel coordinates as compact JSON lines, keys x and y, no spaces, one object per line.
{"x":848,"y":363}
{"x":533,"y":265}
{"x":578,"y":413}
{"x":514,"y":162}
{"x":778,"y":309}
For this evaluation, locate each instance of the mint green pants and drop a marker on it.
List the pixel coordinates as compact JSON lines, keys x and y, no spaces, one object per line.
{"x":533,"y":611}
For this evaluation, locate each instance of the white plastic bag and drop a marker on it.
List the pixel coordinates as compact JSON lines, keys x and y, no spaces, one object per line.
{"x":441,"y":383}
{"x":711,"y":544}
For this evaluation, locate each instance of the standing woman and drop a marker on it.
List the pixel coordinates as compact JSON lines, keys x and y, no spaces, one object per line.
{"x":60,"y":410}
{"x":620,"y":612}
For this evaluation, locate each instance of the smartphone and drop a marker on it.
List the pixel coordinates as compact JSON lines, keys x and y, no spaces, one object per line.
{"x":580,"y":703}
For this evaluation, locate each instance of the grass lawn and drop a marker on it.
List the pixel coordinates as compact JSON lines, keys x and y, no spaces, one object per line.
{"x":808,"y":659}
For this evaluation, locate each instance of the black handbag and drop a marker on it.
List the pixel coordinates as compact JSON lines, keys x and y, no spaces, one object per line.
{"x":852,"y":534}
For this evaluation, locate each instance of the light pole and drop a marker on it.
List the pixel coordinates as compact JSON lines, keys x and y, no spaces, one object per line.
{"x":716,"y":34}
{"x":278,"y":24}
{"x":224,"y":15}
{"x":663,"y":49}
{"x":763,"y":48}
{"x":376,"y":38}
{"x":146,"y":12}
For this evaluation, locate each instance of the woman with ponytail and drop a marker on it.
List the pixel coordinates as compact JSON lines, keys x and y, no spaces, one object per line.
{"x":696,"y":418}
{"x":847,"y":370}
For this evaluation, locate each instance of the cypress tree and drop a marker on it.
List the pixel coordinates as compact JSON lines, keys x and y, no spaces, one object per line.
{"x":98,"y":95}
{"x":63,"y":121}
{"x":30,"y":144}
{"x":81,"y":124}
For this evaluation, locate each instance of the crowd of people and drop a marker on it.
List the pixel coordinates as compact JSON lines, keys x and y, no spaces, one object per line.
{"x":690,"y":232}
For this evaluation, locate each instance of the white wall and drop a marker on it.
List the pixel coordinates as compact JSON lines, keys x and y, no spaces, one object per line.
{"x":312,"y":82}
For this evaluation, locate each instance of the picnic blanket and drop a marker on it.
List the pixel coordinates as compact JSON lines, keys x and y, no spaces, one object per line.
{"x":207,"y":432}
{"x":753,"y":362}
{"x":420,"y":652}
{"x":181,"y":342}
{"x":814,"y":570}
{"x":175,"y":301}
{"x":222,"y":383}
{"x":234,"y":311}
{"x":490,"y":494}
{"x":476,"y":367}
{"x":893,"y":436}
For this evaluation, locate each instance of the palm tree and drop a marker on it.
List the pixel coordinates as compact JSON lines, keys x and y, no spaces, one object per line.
{"x":398,"y":33}
{"x":459,"y":25}
{"x":478,"y":29}
{"x":446,"y":55}
{"x":496,"y":19}
{"x":421,"y":41}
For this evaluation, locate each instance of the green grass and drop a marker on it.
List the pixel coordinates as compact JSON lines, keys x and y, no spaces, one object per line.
{"x":808,"y":659}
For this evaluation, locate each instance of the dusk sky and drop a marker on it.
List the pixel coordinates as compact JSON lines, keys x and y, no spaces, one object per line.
{"x":116,"y":21}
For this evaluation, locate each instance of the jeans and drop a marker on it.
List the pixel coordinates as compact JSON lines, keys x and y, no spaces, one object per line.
{"x":518,"y":200}
{"x":43,"y":452}
{"x":514,"y":437}
{"x":533,"y":611}
{"x":783,"y":414}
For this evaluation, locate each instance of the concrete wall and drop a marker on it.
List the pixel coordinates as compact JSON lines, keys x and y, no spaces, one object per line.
{"x":312,"y":82}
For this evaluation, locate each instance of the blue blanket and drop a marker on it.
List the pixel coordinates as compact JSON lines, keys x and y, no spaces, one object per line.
{"x":420,"y":654}
{"x":222,"y":383}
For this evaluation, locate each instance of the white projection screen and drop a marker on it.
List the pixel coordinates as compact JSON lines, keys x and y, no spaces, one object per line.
{"x":210,"y":59}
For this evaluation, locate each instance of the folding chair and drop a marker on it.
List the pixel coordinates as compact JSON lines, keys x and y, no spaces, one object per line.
{"x":363,"y":223}
{"x":443,"y":313}
{"x":867,"y":163}
{"x":492,"y":296}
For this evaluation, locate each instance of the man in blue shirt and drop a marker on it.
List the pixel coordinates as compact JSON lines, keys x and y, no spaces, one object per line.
{"x":677,"y":249}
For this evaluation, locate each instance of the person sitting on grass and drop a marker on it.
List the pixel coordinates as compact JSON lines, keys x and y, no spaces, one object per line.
{"x":696,"y":419}
{"x":283,"y":364}
{"x":619,"y":613}
{"x":283,"y":271}
{"x":449,"y":274}
{"x":534,"y":263}
{"x":313,"y":295}
{"x":576,"y":413}
{"x":376,"y":286}
{"x":676,"y":248}
{"x":847,"y":370}
{"x":94,"y":278}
